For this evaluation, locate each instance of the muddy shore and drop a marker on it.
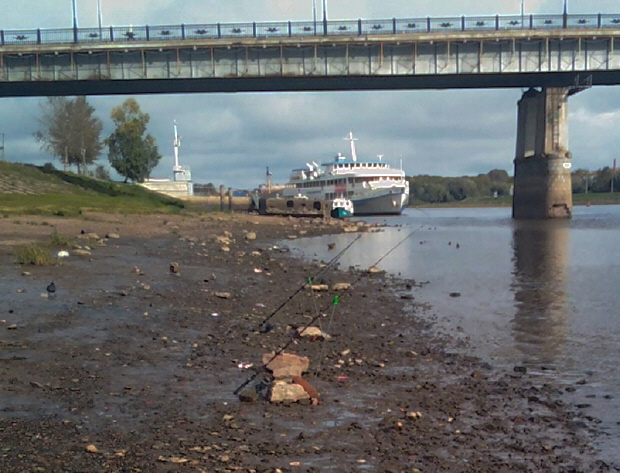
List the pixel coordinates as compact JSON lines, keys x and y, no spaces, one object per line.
{"x":132,"y":368}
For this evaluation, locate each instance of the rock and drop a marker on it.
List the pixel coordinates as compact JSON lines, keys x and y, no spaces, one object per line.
{"x":92,"y":449}
{"x":89,"y":236}
{"x":350,"y":229}
{"x":375,"y":270}
{"x":318,"y":287}
{"x":292,"y":237}
{"x":222,"y":240}
{"x":222,"y":295}
{"x":285,"y":364}
{"x":314,"y":333}
{"x":455,"y":294}
{"x":250,"y":236}
{"x":174,"y":268}
{"x":12,"y":327}
{"x":113,"y":236}
{"x":341,"y":286}
{"x":81,"y":253}
{"x":408,"y":297}
{"x":281,"y":391}
{"x":249,"y":394}
{"x":25,"y":273}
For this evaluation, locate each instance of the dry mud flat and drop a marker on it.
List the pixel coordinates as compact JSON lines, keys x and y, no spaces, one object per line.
{"x":132,"y":368}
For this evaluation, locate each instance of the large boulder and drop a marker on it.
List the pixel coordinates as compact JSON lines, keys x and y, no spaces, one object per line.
{"x":285,"y":365}
{"x":281,"y":391}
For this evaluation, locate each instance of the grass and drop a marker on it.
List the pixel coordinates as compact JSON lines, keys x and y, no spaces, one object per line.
{"x":64,"y":194}
{"x":58,"y":240}
{"x":34,"y":254}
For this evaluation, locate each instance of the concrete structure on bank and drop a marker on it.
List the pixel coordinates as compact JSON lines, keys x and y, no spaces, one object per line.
{"x":181,"y":186}
{"x":178,"y":189}
{"x":542,"y":179}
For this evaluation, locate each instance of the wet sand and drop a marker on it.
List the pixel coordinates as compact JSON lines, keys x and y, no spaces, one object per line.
{"x":130,"y":367}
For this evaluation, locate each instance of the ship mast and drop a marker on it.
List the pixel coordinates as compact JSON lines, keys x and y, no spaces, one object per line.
{"x":352,"y":141}
{"x":177,"y":144}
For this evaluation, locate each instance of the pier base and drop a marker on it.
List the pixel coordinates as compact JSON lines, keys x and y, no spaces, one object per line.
{"x":542,"y":185}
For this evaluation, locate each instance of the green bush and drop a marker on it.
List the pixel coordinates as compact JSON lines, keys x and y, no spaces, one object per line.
{"x":59,"y":240}
{"x":34,"y":254}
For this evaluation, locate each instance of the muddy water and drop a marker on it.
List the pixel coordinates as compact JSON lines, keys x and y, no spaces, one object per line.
{"x":540,"y":295}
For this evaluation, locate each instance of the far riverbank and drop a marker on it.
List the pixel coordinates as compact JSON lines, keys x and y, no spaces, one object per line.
{"x":602,"y":198}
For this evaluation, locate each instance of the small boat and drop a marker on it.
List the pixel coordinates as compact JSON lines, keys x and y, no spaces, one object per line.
{"x":341,"y":208}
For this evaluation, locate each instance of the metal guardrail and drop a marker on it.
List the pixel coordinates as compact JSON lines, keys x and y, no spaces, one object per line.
{"x":360,"y":27}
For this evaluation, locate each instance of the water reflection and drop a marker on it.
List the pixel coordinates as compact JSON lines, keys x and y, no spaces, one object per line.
{"x":539,"y":286}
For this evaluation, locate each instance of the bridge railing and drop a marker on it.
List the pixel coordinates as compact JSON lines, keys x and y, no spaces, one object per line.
{"x":393,"y":26}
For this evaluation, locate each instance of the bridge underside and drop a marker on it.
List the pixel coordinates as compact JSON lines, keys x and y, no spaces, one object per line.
{"x":299,"y":84}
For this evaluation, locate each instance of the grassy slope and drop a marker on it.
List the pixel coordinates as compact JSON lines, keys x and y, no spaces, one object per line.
{"x":28,"y":189}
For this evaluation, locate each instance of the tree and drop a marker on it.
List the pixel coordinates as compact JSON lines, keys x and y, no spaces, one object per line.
{"x":70,"y":131}
{"x":132,"y":154}
{"x":102,"y":173}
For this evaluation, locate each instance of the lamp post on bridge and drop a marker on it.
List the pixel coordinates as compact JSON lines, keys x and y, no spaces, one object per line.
{"x":565,"y":14}
{"x":75,"y":25}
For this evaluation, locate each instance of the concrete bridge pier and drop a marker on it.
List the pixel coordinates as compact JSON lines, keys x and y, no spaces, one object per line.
{"x":542,"y":185}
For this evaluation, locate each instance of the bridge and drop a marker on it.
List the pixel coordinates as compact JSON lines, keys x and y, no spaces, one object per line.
{"x":554,"y":55}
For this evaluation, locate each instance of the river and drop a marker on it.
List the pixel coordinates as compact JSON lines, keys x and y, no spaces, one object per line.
{"x":544,"y":295}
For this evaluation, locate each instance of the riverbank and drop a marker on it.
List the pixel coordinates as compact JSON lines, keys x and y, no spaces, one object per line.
{"x":132,"y":367}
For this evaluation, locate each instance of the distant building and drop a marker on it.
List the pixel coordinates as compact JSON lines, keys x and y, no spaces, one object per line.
{"x":181,"y":186}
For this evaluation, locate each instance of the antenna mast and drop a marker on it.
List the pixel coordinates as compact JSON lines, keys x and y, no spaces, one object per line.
{"x":177,"y":145}
{"x":352,"y":141}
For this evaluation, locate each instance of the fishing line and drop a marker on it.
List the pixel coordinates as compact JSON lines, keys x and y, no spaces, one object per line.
{"x":334,"y":303}
{"x":309,"y":280}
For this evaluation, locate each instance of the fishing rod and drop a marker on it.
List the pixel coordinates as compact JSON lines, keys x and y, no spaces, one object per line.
{"x":311,"y":278}
{"x":334,"y":303}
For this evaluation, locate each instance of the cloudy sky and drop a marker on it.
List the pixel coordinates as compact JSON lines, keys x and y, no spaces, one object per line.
{"x":230,"y":138}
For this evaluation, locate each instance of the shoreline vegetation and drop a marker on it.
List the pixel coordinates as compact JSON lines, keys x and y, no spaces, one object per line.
{"x":592,"y":198}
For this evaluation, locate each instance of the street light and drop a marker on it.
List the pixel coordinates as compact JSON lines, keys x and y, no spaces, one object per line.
{"x":74,"y":14}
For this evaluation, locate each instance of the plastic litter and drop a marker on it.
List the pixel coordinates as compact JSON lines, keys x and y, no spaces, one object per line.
{"x":63,"y":254}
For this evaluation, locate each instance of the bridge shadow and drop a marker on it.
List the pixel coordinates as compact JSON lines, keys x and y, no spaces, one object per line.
{"x":539,"y":284}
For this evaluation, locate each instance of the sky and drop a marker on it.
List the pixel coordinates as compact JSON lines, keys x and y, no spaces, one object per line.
{"x":230,"y":139}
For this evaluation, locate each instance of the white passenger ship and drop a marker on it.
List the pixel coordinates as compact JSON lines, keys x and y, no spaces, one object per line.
{"x":372,"y":186}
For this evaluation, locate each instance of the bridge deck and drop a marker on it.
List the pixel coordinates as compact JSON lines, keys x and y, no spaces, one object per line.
{"x":482,"y":52}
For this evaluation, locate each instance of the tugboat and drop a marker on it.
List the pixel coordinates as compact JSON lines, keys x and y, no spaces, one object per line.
{"x":341,"y":208}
